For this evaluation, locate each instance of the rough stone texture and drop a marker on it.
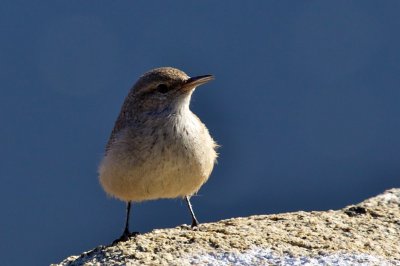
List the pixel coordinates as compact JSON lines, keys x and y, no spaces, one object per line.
{"x":367,"y":233}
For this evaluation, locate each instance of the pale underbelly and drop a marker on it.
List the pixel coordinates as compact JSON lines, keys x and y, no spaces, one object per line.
{"x":152,"y":179}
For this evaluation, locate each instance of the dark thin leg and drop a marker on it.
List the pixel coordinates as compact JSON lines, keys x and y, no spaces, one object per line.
{"x":126,"y":234}
{"x":128,"y":212}
{"x":194,"y":220}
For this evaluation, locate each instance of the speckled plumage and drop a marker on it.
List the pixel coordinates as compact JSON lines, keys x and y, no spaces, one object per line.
{"x":158,"y":147}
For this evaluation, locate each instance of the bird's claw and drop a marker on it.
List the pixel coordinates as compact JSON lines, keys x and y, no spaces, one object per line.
{"x":125,"y":237}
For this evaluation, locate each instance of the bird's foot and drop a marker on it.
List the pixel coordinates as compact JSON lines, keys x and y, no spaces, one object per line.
{"x":195,"y":223}
{"x":125,"y":237}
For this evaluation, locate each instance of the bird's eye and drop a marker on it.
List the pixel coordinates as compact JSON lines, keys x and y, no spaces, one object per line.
{"x":163,"y":88}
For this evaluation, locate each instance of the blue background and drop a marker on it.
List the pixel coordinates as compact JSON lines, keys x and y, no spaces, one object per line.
{"x":305,"y":105}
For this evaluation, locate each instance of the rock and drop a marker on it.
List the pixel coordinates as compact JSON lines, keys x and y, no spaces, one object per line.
{"x":367,"y":233}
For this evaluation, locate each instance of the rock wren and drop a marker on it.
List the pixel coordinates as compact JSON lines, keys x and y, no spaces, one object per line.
{"x":158,"y":147}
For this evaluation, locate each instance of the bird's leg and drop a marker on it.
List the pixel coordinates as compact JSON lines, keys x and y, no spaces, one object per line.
{"x":194,"y":220}
{"x":126,"y":234}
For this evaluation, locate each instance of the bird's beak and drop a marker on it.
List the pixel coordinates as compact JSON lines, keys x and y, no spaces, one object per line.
{"x":193,"y":82}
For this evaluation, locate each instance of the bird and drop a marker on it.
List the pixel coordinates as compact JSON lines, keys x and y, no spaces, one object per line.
{"x":158,"y":148}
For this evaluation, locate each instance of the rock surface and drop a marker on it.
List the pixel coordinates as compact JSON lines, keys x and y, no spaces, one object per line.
{"x":364,"y":234}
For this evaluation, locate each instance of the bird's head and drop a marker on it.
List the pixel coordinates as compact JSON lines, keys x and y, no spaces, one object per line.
{"x":165,"y":90}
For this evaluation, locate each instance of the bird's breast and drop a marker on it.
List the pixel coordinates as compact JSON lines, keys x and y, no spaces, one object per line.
{"x":163,"y":159}
{"x":186,"y":141}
